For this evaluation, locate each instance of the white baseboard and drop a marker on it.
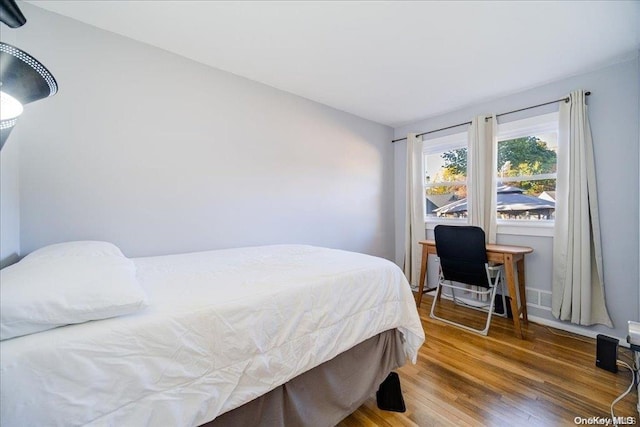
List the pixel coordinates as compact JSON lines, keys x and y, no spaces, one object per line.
{"x":573,"y":329}
{"x":563,"y":326}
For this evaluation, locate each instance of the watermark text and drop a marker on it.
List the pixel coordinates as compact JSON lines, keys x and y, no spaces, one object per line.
{"x":605,"y":421}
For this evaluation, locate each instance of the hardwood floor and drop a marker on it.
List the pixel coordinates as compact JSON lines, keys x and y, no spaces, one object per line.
{"x":463,"y":379}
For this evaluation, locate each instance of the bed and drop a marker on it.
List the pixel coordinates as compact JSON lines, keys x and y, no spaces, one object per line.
{"x":283,"y":334}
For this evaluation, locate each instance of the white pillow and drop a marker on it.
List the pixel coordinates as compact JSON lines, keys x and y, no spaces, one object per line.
{"x":64,"y":284}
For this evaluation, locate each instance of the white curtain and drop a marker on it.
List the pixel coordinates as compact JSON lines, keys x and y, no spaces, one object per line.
{"x":578,"y":286}
{"x":482,"y":166}
{"x":415,"y":210}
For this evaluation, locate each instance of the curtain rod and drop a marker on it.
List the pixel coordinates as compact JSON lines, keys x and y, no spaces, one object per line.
{"x":565,"y":99}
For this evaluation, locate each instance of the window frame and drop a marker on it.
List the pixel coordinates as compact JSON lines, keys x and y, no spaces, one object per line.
{"x":542,"y":123}
{"x":441,"y":144}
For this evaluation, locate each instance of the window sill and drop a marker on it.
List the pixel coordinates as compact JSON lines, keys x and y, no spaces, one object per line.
{"x":540,"y":228}
{"x":430,"y":224}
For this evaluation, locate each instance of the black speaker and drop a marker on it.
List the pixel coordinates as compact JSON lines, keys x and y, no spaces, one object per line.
{"x":607,"y":353}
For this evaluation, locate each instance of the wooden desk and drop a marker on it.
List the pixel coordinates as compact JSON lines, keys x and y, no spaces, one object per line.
{"x":503,"y":254}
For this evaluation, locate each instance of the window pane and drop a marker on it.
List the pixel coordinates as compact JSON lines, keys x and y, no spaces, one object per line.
{"x":445,"y":174}
{"x":448,"y":166}
{"x":528,"y":155}
{"x":448,"y":201}
{"x":527,"y":177}
{"x":529,"y":199}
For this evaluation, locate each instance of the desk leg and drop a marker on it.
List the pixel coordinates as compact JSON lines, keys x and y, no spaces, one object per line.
{"x":423,"y":274}
{"x":523,"y":292}
{"x":513,"y":293}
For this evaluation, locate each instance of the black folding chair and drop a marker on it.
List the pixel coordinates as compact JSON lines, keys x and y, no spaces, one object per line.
{"x":463,"y":261}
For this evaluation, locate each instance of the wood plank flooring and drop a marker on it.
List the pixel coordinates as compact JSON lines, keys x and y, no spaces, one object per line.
{"x":463,"y":379}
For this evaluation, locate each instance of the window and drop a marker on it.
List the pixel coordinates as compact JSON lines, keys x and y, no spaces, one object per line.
{"x":526,"y":175}
{"x":445,"y":176}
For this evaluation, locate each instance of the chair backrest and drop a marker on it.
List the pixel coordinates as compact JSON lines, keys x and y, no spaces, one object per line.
{"x":462,"y":253}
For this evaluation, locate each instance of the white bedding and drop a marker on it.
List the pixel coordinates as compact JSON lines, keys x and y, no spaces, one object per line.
{"x":222,"y":328}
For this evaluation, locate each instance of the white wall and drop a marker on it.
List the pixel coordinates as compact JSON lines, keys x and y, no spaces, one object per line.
{"x":9,"y":194}
{"x":614,"y":114}
{"x":9,"y":206}
{"x":160,"y":154}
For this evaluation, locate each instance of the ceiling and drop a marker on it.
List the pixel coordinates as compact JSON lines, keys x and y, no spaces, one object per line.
{"x":392,"y":62}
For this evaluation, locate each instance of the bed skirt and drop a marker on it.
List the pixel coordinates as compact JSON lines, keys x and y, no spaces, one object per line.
{"x":327,"y":393}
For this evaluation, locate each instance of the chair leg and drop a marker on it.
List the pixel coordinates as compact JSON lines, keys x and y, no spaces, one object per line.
{"x":436,"y":297}
{"x":483,"y":331}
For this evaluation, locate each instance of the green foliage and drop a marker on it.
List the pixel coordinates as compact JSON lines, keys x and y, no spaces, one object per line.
{"x":533,"y":188}
{"x":456,"y":191}
{"x":529,"y":150}
{"x":527,"y":156}
{"x":516,"y":157}
{"x":456,"y":161}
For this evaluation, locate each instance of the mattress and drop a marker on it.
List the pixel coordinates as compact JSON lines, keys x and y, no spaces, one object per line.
{"x":222,"y":328}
